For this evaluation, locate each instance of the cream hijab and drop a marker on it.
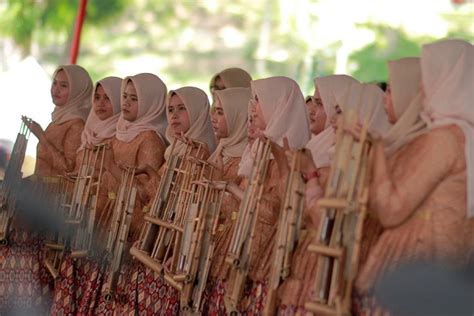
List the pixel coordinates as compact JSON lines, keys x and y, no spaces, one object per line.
{"x":78,"y":104}
{"x":151,"y":93}
{"x":404,"y":81}
{"x":96,"y":131}
{"x":284,"y":110}
{"x":235,"y":104}
{"x":329,"y":87}
{"x":447,"y":68}
{"x":197,"y":105}
{"x":232,"y":78}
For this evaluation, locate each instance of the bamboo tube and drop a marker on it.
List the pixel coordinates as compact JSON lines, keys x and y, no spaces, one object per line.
{"x":164,"y":224}
{"x":177,"y":285}
{"x":146,"y":260}
{"x":54,"y":272}
{"x":325,"y":250}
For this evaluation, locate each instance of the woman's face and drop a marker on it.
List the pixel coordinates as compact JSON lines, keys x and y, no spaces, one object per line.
{"x":178,"y":117}
{"x":251,"y":129}
{"x":219,"y":123}
{"x":317,"y":115}
{"x":336,"y":117}
{"x":257,"y":114}
{"x":60,"y":88}
{"x":101,"y":104}
{"x":388,"y":105}
{"x":129,"y":103}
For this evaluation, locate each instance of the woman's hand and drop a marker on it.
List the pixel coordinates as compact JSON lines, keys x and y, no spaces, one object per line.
{"x":34,"y":127}
{"x":218,"y":164}
{"x":307,"y":164}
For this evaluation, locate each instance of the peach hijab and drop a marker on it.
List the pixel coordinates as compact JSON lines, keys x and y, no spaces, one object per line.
{"x":447,"y":69}
{"x":78,"y":104}
{"x":405,"y":86}
{"x":284,"y":111}
{"x":96,"y":131}
{"x":197,"y":105}
{"x":151,"y":93}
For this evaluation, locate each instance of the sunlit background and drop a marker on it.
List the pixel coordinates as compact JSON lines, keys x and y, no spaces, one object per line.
{"x":186,"y":42}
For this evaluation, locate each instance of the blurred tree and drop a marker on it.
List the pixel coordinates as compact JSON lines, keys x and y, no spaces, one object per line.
{"x":25,"y":20}
{"x":370,"y":62}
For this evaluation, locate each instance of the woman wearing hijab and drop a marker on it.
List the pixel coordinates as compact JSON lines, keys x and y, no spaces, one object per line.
{"x":229,"y":78}
{"x":100,"y":128}
{"x":279,"y":111}
{"x":28,"y":286}
{"x":229,"y":120}
{"x":71,"y":92}
{"x":188,"y":117}
{"x":422,"y":194}
{"x":328,"y":90}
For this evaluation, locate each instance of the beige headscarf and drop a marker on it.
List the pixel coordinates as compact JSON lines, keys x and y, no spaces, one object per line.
{"x":328,"y":88}
{"x":235,"y":104}
{"x":284,"y":110}
{"x":151,"y":93}
{"x":232,"y":78}
{"x":448,"y":79}
{"x":197,"y":105}
{"x":78,"y":104}
{"x":96,"y":131}
{"x":404,"y":80}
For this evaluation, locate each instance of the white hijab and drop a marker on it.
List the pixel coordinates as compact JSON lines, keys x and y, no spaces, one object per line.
{"x":78,"y":103}
{"x":404,"y":81}
{"x":235,"y":104}
{"x":448,"y":80}
{"x":197,"y":105}
{"x":284,"y":111}
{"x":96,"y":131}
{"x":329,"y":87}
{"x":151,"y":93}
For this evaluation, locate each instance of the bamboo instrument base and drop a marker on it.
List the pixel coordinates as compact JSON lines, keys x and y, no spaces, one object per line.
{"x":148,"y":261}
{"x":54,"y":272}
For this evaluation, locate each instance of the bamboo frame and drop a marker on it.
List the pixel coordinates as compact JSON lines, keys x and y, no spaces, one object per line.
{"x":11,"y":180}
{"x":177,"y":239}
{"x":241,"y":244}
{"x":344,"y":208}
{"x":118,"y":231}
{"x":288,"y":231}
{"x":78,"y":208}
